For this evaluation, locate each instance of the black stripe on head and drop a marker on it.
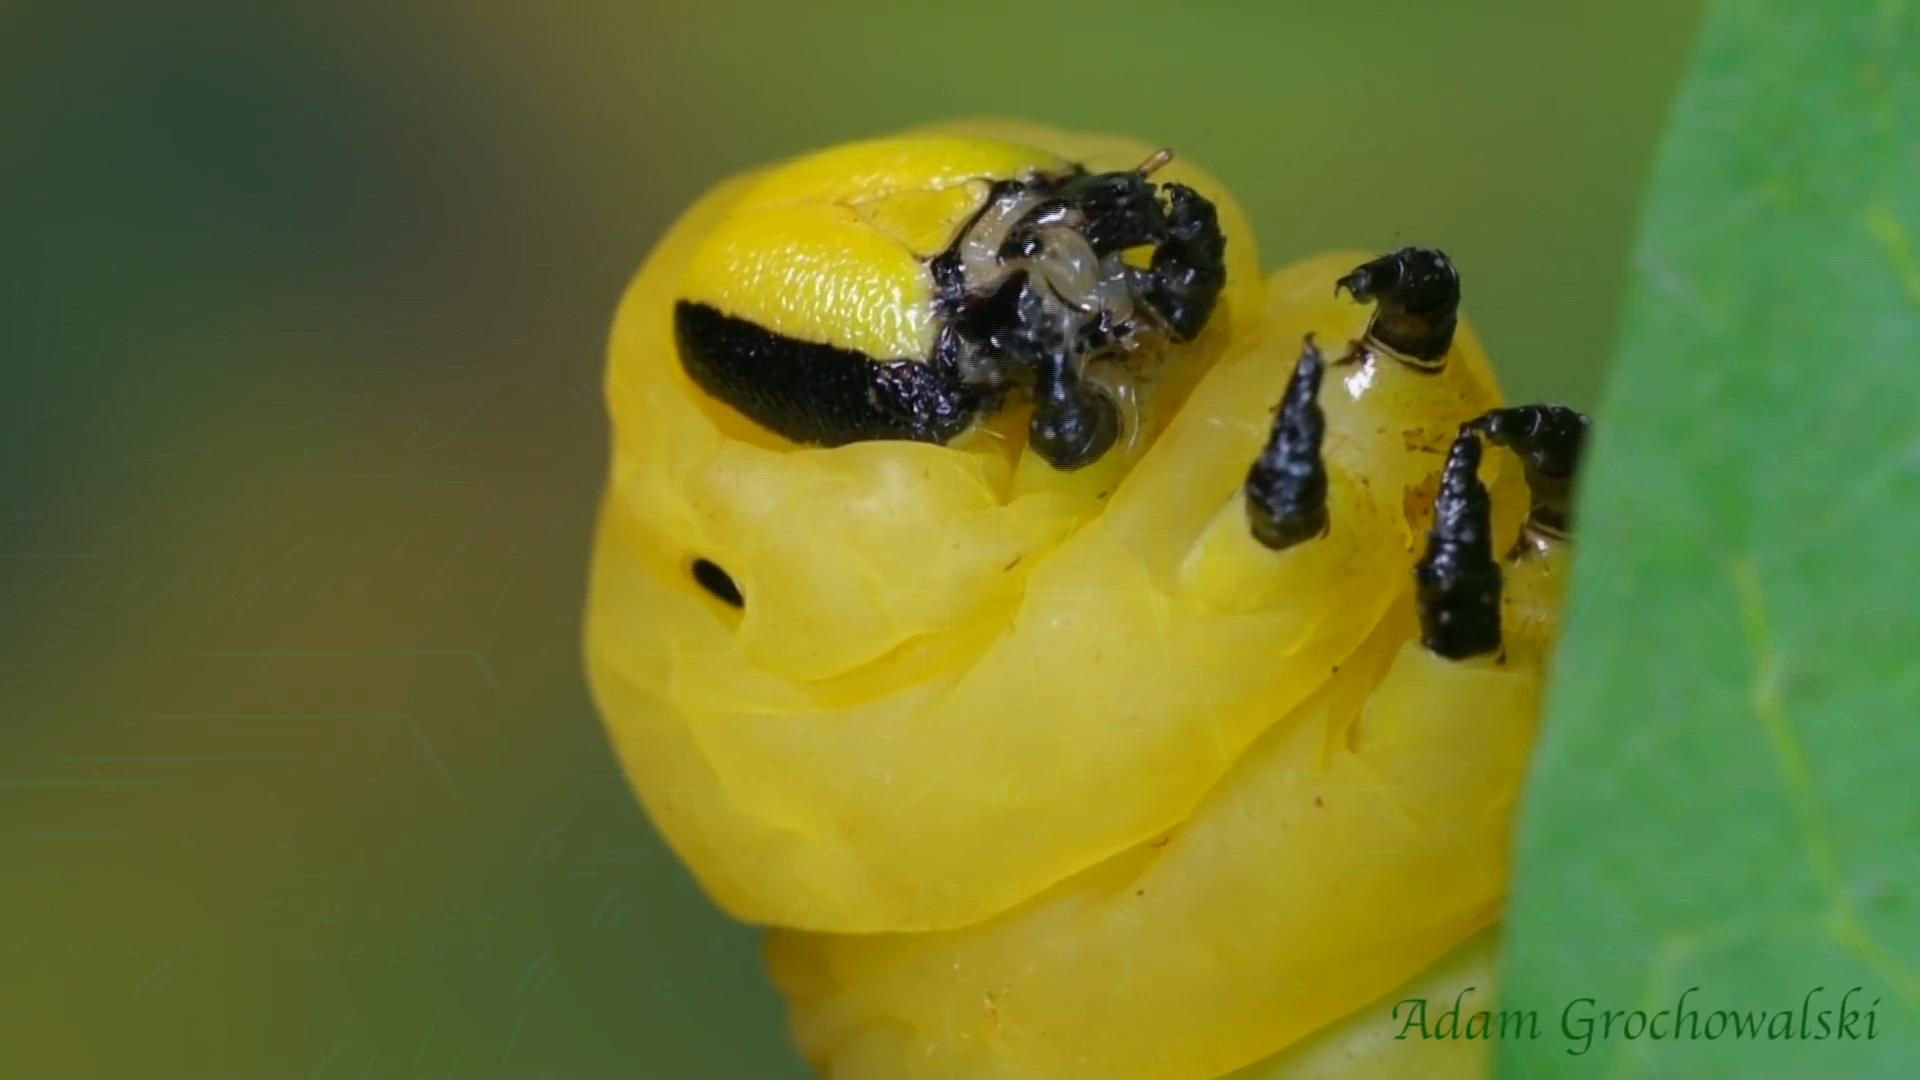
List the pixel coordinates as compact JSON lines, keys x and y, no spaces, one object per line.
{"x":815,"y":393}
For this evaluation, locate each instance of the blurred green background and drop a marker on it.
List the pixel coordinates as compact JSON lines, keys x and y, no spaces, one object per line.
{"x":302,"y":312}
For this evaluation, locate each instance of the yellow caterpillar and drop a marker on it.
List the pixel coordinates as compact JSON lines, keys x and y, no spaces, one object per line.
{"x":1093,"y":659}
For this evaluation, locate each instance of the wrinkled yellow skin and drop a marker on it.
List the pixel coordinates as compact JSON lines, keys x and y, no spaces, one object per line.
{"x":1042,"y":773}
{"x":831,"y":248}
{"x":1373,"y":1043}
{"x":1360,"y":838}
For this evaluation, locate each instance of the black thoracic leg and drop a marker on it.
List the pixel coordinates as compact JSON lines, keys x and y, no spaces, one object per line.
{"x":1418,"y":293}
{"x":1457,"y":583}
{"x":1287,"y":486}
{"x":1073,"y":423}
{"x":1189,"y":267}
{"x":1549,"y":440}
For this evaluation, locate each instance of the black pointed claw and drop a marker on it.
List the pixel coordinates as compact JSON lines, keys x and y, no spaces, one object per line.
{"x":1458,"y":582}
{"x":1549,"y":440}
{"x":1418,"y":293}
{"x":1287,"y":486}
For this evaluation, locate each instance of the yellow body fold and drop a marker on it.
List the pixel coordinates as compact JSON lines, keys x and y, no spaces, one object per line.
{"x":1043,"y":773}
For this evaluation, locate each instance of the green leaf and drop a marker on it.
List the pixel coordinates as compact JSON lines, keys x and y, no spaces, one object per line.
{"x":1727,"y":791}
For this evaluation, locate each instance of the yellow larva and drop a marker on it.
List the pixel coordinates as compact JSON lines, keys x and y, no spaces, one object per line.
{"x":979,"y":679}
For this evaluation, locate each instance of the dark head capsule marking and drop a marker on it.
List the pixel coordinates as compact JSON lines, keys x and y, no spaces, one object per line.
{"x":816,"y":393}
{"x":718,"y":582}
{"x":1032,"y":290}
